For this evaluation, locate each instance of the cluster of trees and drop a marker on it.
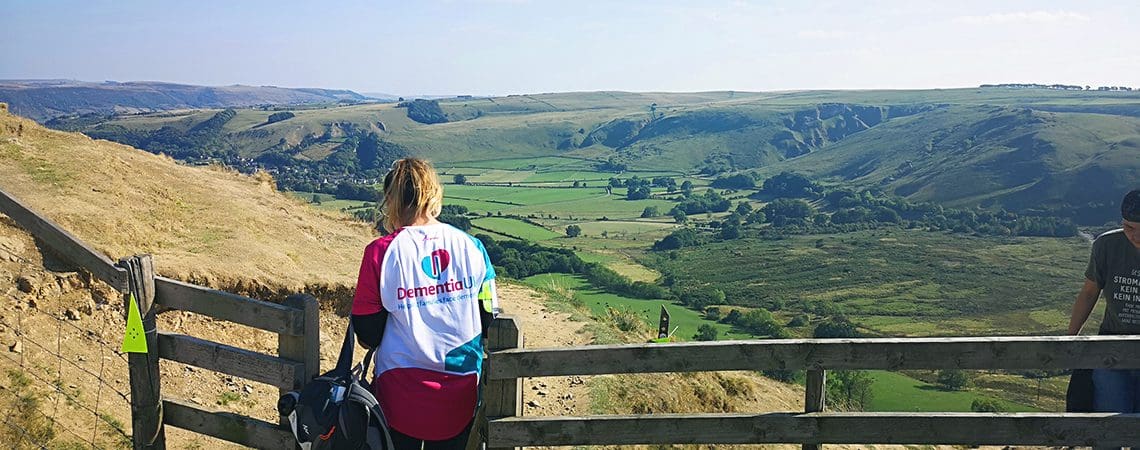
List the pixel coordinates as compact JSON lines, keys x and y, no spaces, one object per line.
{"x":708,"y":201}
{"x":738,"y":181}
{"x":352,"y":191}
{"x":279,"y":116}
{"x":456,"y":216}
{"x":866,"y":207}
{"x":361,"y":159}
{"x":202,"y":142}
{"x":610,"y":165}
{"x":638,"y":188}
{"x":424,"y":111}
{"x":685,"y":237}
{"x":791,"y":185}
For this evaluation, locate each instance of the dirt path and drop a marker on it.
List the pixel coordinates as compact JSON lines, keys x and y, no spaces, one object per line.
{"x":541,"y":327}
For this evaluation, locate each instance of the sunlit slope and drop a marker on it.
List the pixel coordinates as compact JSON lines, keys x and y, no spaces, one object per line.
{"x":1014,"y":157}
{"x":200,"y":223}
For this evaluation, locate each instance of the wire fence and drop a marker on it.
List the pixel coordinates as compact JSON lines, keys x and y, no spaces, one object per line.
{"x":56,"y":396}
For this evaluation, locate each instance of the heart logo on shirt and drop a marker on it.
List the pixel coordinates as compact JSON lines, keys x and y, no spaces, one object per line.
{"x":436,"y":263}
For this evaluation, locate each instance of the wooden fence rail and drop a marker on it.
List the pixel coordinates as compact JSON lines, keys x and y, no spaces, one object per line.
{"x":814,"y":426}
{"x":63,"y":243}
{"x":296,"y":323}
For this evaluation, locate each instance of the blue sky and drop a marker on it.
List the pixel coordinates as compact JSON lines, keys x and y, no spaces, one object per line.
{"x":496,"y":47}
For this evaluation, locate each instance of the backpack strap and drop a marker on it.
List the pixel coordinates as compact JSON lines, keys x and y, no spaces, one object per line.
{"x":344,"y":361}
{"x":358,"y":393}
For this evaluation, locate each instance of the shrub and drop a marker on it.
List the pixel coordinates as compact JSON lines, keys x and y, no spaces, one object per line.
{"x":706,"y":332}
{"x":953,"y":379}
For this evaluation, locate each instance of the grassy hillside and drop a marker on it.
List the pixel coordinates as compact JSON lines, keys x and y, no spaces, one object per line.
{"x":897,"y":282}
{"x":984,"y":155}
{"x":205,"y":224}
{"x":1016,"y":148}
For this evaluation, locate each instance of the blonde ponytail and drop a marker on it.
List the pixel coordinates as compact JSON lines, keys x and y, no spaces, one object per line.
{"x":411,"y":190}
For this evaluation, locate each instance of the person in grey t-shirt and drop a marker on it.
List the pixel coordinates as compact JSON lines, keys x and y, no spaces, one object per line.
{"x":1114,"y":269}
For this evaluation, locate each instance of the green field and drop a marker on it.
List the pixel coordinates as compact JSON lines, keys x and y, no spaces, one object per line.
{"x":330,"y":203}
{"x":686,"y":321}
{"x":515,"y":227}
{"x":563,"y":203}
{"x":894,"y":392}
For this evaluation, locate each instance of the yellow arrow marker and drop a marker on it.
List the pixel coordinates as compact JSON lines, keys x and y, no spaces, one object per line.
{"x":134,"y":341}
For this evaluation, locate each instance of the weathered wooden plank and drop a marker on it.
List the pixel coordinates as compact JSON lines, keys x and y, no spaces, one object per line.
{"x":1017,"y":352}
{"x":227,"y":306}
{"x":227,"y":426}
{"x":146,"y":393}
{"x":229,"y":360}
{"x":1043,"y":429}
{"x":305,"y":347}
{"x":502,"y":397}
{"x":63,"y":243}
{"x":815,"y":397}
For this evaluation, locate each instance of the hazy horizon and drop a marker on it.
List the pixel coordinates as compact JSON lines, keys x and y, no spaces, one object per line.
{"x":501,"y":47}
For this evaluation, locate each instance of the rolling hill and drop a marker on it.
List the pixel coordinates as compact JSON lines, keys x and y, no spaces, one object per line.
{"x":43,"y":100}
{"x":212,"y":226}
{"x":1022,"y":149}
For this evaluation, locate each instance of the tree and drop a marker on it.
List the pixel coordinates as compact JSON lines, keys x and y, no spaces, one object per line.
{"x":706,"y":332}
{"x":650,"y":211}
{"x":684,"y":237}
{"x":687,"y":187}
{"x":953,"y":379}
{"x":761,"y":323}
{"x":712,"y":314}
{"x":730,"y":232}
{"x":637,"y":193}
{"x":679,"y":216}
{"x":573,"y":231}
{"x":788,"y":208}
{"x":791,"y":184}
{"x":850,"y":389}
{"x":316,"y":199}
{"x":460,"y":179}
{"x":838,"y":327}
{"x":738,"y":181}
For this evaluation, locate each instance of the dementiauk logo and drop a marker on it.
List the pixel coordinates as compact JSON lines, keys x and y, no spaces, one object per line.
{"x":436,"y":263}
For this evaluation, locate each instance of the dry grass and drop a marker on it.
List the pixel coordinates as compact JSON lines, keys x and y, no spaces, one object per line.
{"x":210,"y":226}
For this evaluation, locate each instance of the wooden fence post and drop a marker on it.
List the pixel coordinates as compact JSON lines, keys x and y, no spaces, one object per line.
{"x":501,"y":398}
{"x":815,"y":398}
{"x":147,"y":430}
{"x":306,"y":347}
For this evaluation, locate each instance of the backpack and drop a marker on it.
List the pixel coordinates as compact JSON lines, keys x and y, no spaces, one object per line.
{"x":337,"y":411}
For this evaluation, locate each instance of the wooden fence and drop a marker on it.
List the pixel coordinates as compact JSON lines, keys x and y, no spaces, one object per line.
{"x":296,"y":323}
{"x":814,"y":426}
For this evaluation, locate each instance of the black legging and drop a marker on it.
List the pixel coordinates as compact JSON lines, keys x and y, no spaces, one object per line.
{"x":405,"y":442}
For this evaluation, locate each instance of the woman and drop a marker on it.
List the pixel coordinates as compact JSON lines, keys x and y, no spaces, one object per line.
{"x":425,"y":295}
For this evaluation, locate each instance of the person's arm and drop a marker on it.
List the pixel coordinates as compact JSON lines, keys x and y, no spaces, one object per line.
{"x":368,"y":314}
{"x":1086,"y":300}
{"x":369,"y":328}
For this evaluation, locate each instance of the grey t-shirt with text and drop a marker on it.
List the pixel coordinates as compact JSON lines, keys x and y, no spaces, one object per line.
{"x":1115,"y":267}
